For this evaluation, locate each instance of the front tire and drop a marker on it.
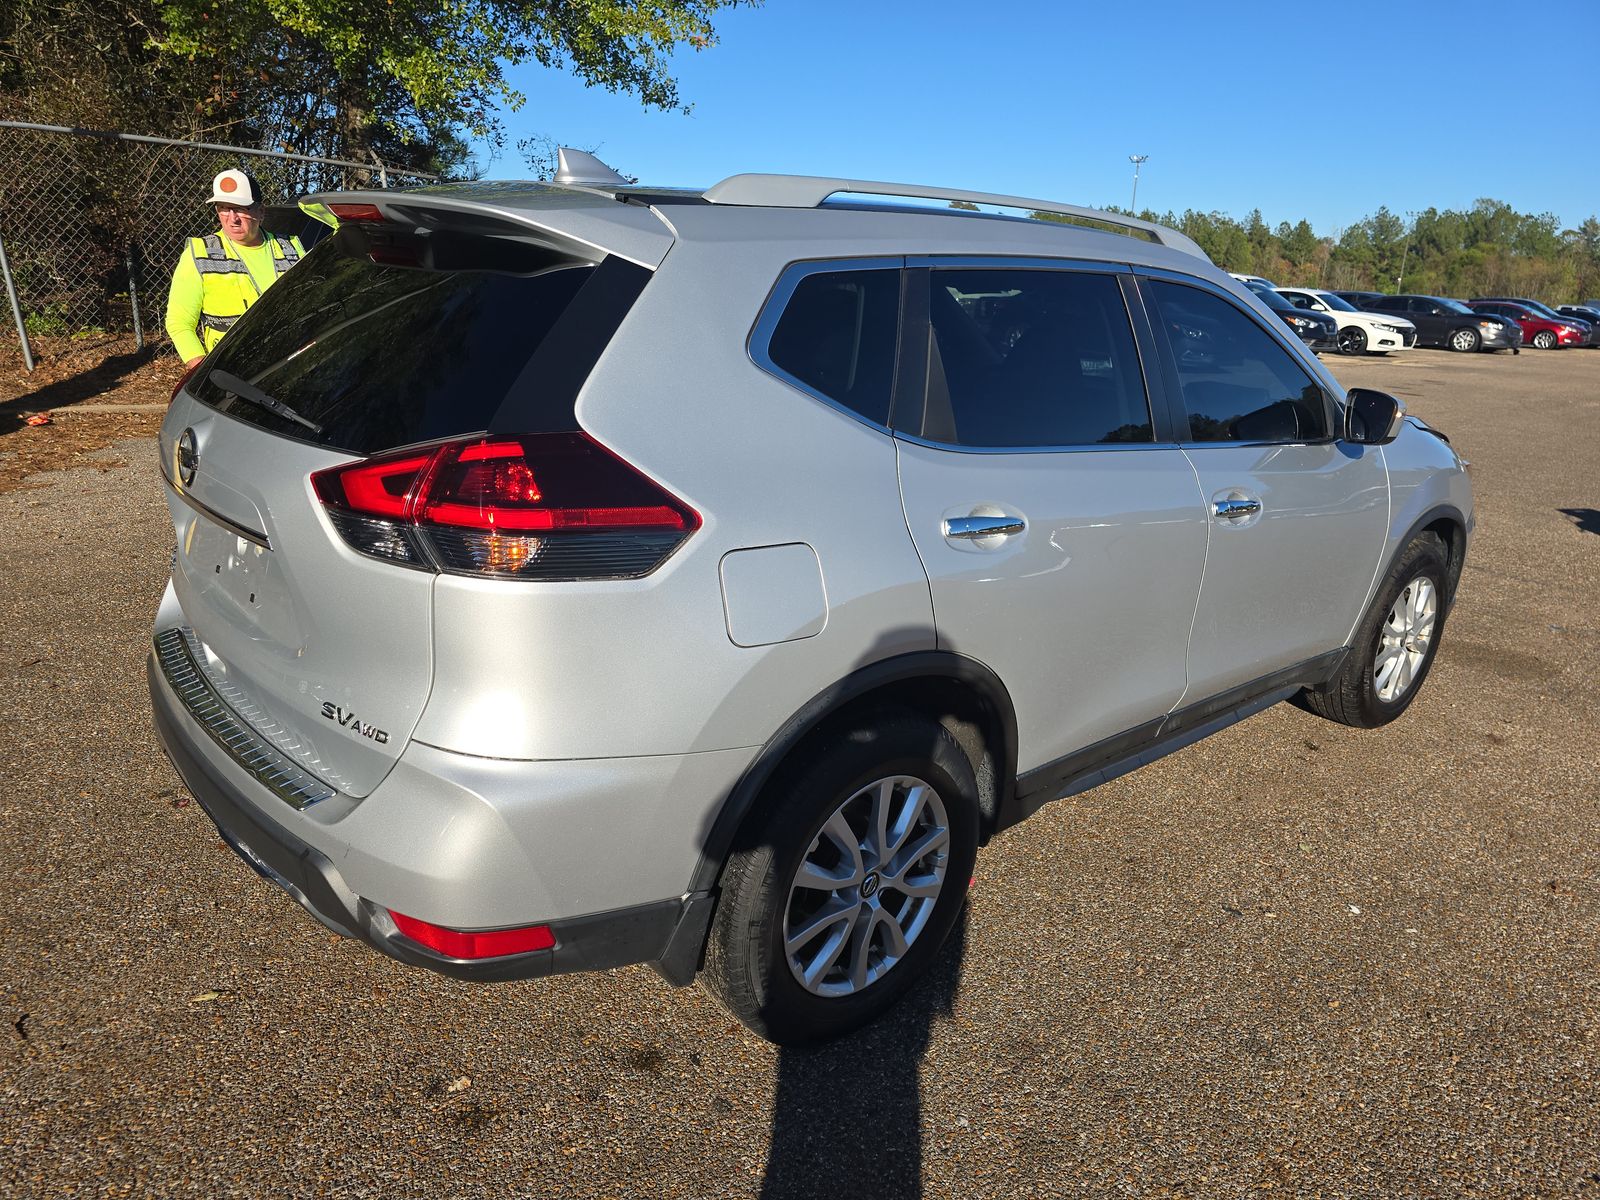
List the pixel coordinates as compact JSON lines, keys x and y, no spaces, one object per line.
{"x":1465,"y":341}
{"x":838,"y":897}
{"x":1394,"y":645}
{"x":1352,"y":340}
{"x":1544,"y":340}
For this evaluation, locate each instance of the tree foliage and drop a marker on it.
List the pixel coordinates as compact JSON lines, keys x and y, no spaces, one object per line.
{"x":408,"y":80}
{"x":1488,"y":249}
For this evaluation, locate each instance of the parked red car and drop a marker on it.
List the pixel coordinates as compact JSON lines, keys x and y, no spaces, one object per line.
{"x":1538,"y":331}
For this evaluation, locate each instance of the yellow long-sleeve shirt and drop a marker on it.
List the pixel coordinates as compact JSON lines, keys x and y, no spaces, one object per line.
{"x":184,"y":299}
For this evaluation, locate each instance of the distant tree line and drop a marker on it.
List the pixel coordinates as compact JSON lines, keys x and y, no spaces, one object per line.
{"x":1488,"y":250}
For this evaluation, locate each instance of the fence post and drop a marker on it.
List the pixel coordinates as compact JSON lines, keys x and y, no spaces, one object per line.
{"x":16,"y":308}
{"x":133,"y":299}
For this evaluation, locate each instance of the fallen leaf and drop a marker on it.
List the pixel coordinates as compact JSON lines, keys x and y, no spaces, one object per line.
{"x":204,"y":997}
{"x":458,"y":1085}
{"x":1353,"y":909}
{"x":40,"y":419}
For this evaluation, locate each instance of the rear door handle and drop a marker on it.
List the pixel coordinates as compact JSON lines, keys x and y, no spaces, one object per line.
{"x":1233,"y":510}
{"x":982,"y":527}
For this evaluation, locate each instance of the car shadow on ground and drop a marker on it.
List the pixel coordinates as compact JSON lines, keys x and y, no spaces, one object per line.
{"x":74,"y":389}
{"x":1586,"y":519}
{"x":847,"y":1116}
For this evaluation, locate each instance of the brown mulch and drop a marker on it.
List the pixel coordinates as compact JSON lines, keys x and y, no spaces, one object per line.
{"x":70,"y":373}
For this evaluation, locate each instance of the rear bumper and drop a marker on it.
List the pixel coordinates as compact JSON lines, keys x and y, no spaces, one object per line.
{"x":462,"y":883}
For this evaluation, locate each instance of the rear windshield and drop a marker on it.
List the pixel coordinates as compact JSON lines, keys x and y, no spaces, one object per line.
{"x":385,"y":356}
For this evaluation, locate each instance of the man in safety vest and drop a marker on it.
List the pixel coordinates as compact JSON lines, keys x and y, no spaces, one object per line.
{"x":223,"y":273}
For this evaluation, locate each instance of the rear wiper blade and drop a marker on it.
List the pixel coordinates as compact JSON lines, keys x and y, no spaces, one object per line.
{"x":235,"y":386}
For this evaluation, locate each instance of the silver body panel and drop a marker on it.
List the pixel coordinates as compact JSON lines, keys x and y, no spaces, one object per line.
{"x":529,"y":724}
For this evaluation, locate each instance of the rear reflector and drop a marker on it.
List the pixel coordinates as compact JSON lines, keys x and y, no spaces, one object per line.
{"x":539,"y":506}
{"x":458,"y":943}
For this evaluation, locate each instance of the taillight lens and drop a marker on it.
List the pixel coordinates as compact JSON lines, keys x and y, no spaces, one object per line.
{"x":539,"y":506}
{"x":183,"y":379}
{"x":459,"y":943}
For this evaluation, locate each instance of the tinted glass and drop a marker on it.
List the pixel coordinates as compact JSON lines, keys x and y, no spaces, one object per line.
{"x":1298,"y":299}
{"x":1454,"y":306}
{"x":1032,"y":358}
{"x":384,"y":356}
{"x":837,"y":336}
{"x":1238,"y":383}
{"x":1337,"y":303}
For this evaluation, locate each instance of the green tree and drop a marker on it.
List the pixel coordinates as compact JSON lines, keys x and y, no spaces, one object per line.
{"x":407,"y":79}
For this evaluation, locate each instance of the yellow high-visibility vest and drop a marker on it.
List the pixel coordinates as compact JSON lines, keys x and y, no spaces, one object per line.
{"x":226,"y":285}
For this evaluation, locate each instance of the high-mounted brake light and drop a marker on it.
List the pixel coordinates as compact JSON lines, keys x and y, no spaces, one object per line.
{"x":357,"y":212}
{"x":458,"y":943}
{"x":540,"y":506}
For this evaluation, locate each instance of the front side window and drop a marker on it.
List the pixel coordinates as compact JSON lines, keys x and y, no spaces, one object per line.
{"x":1031,"y":358}
{"x":1238,"y":383}
{"x":837,"y":336}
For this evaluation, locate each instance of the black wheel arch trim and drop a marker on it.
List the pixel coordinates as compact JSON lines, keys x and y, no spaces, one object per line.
{"x":1458,"y":554}
{"x":904,"y":668}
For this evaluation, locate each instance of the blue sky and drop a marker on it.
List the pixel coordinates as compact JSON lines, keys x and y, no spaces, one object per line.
{"x":1301,"y":109}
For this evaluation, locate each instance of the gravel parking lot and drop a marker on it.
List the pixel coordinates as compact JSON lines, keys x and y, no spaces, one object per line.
{"x":1294,"y":957}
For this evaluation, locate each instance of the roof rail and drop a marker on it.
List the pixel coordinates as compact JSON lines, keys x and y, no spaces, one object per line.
{"x":807,"y":191}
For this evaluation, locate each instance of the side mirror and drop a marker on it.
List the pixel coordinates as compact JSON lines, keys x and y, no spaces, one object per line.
{"x":1372,"y":418}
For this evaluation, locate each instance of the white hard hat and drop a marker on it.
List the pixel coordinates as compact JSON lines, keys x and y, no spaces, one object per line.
{"x":234,"y":186}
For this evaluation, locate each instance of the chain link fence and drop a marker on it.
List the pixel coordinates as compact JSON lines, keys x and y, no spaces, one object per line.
{"x":92,"y":223}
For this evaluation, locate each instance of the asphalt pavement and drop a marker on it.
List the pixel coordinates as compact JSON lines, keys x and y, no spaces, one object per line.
{"x":1294,"y":958}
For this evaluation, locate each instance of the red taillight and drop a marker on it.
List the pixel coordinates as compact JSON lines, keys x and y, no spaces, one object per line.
{"x":356,"y":212}
{"x":541,"y":506}
{"x":183,"y":379}
{"x":458,"y":943}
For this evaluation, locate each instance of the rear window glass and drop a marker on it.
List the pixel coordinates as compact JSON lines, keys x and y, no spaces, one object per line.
{"x":384,"y":356}
{"x":837,"y":336}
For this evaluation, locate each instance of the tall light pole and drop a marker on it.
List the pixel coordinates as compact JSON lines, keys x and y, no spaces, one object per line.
{"x":1138,"y":161}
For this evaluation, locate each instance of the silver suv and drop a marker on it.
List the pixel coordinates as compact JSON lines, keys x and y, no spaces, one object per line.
{"x":579,"y":574}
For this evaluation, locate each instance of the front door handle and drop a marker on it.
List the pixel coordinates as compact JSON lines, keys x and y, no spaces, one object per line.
{"x":1234,"y":510}
{"x":982,"y":527}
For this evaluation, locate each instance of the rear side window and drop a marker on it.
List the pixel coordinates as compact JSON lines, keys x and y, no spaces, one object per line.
{"x":1238,"y":383}
{"x":383,"y":356}
{"x":1032,"y":358}
{"x":837,"y":336}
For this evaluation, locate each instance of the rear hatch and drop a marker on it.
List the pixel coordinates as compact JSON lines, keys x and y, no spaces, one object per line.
{"x":405,"y":328}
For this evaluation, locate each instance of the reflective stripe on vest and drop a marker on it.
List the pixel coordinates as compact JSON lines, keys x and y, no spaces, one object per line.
{"x":224,"y":295}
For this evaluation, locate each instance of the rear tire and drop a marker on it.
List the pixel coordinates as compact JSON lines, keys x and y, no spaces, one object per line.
{"x":1466,"y":341}
{"x":1394,"y":645}
{"x":813,"y":935}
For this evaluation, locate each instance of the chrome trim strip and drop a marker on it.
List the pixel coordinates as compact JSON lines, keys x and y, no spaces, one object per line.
{"x":1020,"y":262}
{"x":233,"y":527}
{"x":200,"y":700}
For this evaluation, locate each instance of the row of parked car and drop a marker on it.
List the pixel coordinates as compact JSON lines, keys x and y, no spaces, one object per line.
{"x":1375,"y":323}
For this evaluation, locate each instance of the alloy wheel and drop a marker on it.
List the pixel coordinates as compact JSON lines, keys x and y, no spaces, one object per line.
{"x":1352,"y":340}
{"x":1404,"y":639}
{"x":867,"y":886}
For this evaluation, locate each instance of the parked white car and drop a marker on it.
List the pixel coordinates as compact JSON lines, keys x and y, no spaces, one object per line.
{"x":1359,"y":332}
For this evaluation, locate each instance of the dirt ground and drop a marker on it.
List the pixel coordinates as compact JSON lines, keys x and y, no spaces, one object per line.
{"x":69,"y":374}
{"x":1292,"y":959}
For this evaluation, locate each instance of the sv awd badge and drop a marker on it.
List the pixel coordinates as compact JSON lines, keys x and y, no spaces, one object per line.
{"x":349,"y":721}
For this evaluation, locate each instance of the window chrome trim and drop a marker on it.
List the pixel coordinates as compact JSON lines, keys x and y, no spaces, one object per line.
{"x":759,"y":343}
{"x":1315,"y":369}
{"x":1072,"y":448}
{"x":1022,"y":262}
